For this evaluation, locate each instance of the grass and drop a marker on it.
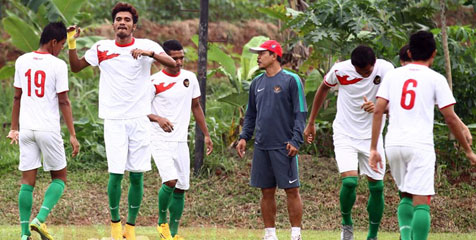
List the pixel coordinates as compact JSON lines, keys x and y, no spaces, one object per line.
{"x":209,"y":233}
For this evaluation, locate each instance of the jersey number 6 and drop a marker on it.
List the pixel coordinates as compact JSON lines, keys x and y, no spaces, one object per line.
{"x":407,"y":92}
{"x":40,"y":77}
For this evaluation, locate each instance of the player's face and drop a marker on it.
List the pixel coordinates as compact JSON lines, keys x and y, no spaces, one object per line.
{"x":57,"y":47}
{"x":178,"y":56}
{"x":265,"y":59}
{"x":366,"y":71}
{"x":123,"y":24}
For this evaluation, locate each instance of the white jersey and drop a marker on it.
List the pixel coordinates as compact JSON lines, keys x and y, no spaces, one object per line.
{"x":172,"y":99}
{"x":351,"y":119}
{"x":41,"y":76}
{"x":124,"y":83}
{"x":412,"y":92}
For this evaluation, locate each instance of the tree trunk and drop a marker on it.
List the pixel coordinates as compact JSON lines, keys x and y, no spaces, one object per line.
{"x":444,"y":38}
{"x":202,"y":79}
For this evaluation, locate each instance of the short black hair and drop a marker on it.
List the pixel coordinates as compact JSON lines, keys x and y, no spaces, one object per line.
{"x":362,"y":56}
{"x":54,"y":30}
{"x":403,"y":54}
{"x":422,"y":45}
{"x":278,"y":58}
{"x":125,"y":7}
{"x":172,"y":45}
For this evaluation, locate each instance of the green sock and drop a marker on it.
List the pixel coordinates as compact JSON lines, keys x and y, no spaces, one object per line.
{"x":165,"y":194}
{"x":114,"y":195}
{"x":136,"y":190}
{"x":52,"y":195}
{"x":405,"y":216}
{"x":421,"y":222}
{"x":176,"y":209}
{"x":347,"y":199}
{"x":375,"y":207}
{"x":25,"y":201}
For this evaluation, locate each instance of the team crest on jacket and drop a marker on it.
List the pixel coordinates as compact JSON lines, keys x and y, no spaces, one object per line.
{"x":186,"y":82}
{"x":277,"y":89}
{"x":377,"y":80}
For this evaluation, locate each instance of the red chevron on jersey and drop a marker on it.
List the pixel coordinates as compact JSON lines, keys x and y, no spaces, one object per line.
{"x":102,"y":55}
{"x":162,"y":88}
{"x":343,"y":79}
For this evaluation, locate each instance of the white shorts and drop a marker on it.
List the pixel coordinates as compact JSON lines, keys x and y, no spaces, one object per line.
{"x":352,"y":154}
{"x":173,"y":161}
{"x":34,"y":143}
{"x":127,"y":144}
{"x":413,"y":169}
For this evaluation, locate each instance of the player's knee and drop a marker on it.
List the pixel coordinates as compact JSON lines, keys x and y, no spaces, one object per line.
{"x":349,"y":182}
{"x":171,"y":183}
{"x":136,"y":178}
{"x":376,"y":186}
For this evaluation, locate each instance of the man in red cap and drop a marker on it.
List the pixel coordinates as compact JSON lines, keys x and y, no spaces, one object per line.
{"x":277,"y":112}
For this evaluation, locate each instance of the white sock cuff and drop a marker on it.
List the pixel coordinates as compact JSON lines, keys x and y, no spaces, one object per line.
{"x":295,"y":231}
{"x":270,"y":231}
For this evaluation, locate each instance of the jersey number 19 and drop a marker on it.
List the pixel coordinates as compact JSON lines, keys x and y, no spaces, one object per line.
{"x":40,"y":77}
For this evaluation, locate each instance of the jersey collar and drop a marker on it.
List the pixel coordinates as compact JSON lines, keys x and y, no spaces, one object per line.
{"x":127,"y":44}
{"x":170,"y":74}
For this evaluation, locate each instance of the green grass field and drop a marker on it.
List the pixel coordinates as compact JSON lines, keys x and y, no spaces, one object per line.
{"x":208,"y":233}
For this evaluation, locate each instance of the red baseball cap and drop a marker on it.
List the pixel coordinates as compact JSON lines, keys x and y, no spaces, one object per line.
{"x":270,"y":45}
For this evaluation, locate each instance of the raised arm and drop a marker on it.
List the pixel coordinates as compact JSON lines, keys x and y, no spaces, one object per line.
{"x":77,"y":64}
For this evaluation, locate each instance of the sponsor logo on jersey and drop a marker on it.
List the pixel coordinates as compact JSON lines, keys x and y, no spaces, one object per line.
{"x":162,"y":87}
{"x":377,"y":80}
{"x":277,"y":89}
{"x":102,"y":55}
{"x":186,"y":82}
{"x":343,"y":80}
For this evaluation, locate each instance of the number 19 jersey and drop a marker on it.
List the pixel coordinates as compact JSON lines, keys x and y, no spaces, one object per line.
{"x":412,"y":92}
{"x":41,"y":76}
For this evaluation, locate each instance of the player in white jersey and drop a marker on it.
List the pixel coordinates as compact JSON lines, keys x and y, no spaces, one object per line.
{"x":176,"y":91}
{"x":410,"y":94}
{"x":358,"y":79}
{"x":124,"y":87}
{"x":41,"y":88}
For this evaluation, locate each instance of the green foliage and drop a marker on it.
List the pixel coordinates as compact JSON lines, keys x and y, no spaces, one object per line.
{"x":23,"y":35}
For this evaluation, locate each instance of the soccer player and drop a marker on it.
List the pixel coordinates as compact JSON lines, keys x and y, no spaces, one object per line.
{"x":124,"y":103}
{"x":175,"y":91}
{"x":359,"y":79}
{"x":41,"y":87}
{"x":277,"y":111}
{"x":403,"y":55}
{"x":410,"y":92}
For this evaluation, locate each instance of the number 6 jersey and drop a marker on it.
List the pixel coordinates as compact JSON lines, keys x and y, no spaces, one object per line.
{"x":412,"y":92}
{"x":41,"y":76}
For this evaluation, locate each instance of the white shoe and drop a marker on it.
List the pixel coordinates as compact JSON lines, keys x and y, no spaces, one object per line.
{"x":296,"y":237}
{"x":347,"y":232}
{"x":270,"y":237}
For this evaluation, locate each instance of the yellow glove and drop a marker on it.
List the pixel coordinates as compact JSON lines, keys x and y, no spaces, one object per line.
{"x":71,"y":39}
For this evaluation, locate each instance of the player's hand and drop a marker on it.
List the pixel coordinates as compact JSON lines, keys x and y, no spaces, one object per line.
{"x":72,"y":33}
{"x":309,"y":133}
{"x":136,"y":53}
{"x":75,"y":144}
{"x":13,"y":135}
{"x":165,"y":124}
{"x":292,"y":150}
{"x":375,"y":161}
{"x":368,"y":106}
{"x":240,"y":148}
{"x":209,"y":144}
{"x":472,"y":157}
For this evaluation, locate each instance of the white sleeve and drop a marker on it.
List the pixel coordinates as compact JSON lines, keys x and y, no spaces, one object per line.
{"x":91,"y":55}
{"x":17,"y":80}
{"x":444,"y":96}
{"x":330,"y":79}
{"x":61,"y":76}
{"x":386,"y":67}
{"x":154,"y":46}
{"x":383,"y":89}
{"x":196,"y":86}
